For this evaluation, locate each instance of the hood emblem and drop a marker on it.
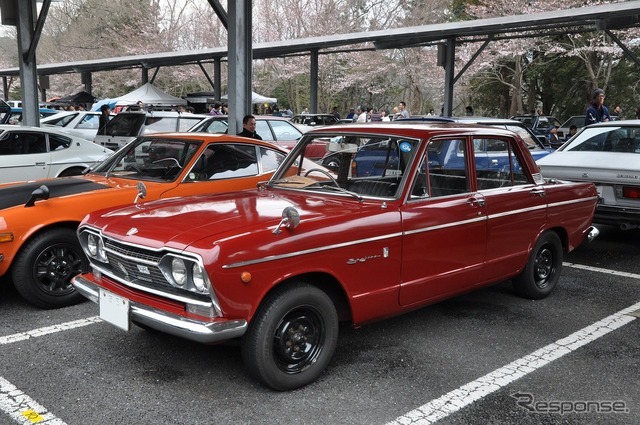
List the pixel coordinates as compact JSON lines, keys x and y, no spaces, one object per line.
{"x":132,"y":231}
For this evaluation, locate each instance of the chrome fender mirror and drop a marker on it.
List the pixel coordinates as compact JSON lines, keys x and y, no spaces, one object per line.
{"x":142,"y":192}
{"x":290,"y":219}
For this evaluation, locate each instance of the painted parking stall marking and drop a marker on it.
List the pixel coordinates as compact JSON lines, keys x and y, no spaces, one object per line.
{"x":22,"y":408}
{"x":19,"y":406}
{"x":601,"y":270}
{"x":457,"y":399}
{"x":35,"y":333}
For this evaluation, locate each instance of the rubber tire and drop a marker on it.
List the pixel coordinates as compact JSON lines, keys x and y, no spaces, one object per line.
{"x":60,"y":255}
{"x":265,"y":359}
{"x":542,"y":272}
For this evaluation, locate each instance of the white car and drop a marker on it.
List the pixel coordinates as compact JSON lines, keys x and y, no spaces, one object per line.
{"x":84,"y":124}
{"x":607,"y":154}
{"x":28,"y":153}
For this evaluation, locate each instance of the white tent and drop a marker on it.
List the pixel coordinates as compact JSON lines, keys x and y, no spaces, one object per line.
{"x":256,"y":98}
{"x":150,"y":95}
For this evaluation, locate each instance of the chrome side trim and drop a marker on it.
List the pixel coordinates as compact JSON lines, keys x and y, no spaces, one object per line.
{"x":444,"y":226}
{"x":194,"y":330}
{"x":310,"y":251}
{"x":573,"y":201}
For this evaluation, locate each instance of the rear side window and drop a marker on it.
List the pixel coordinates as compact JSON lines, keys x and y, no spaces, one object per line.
{"x":160,"y":124}
{"x":57,"y":143}
{"x":89,"y":122}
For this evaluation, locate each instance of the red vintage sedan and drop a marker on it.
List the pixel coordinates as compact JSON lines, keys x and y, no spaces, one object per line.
{"x":281,"y":265}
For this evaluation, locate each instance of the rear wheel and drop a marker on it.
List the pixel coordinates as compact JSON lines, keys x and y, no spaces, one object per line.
{"x":43,"y":269}
{"x":292,"y":337}
{"x":540,"y":275}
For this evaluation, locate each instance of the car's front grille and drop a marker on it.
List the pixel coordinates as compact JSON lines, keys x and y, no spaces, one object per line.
{"x":138,"y":267}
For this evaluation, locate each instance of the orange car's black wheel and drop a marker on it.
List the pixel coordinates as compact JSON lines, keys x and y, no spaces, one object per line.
{"x":43,"y":269}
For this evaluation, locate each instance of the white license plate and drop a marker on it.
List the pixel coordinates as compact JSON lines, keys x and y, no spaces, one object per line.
{"x":114,"y":309}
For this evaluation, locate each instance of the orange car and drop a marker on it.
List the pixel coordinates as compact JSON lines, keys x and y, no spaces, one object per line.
{"x":38,"y":219}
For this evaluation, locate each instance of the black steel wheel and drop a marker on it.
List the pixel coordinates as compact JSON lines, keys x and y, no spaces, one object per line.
{"x":43,"y":269}
{"x":542,"y":272}
{"x":292,"y":338}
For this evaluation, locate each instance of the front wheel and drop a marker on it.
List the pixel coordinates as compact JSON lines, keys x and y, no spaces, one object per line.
{"x":541,"y":274}
{"x":291,"y":338}
{"x":43,"y":269}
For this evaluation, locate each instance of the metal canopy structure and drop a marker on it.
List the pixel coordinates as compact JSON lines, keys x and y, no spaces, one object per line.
{"x":446,"y":35}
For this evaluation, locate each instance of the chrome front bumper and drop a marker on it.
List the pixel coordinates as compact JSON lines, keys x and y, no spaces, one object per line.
{"x":203,"y":332}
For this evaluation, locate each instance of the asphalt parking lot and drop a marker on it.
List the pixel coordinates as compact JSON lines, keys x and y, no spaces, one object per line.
{"x":486,"y":357}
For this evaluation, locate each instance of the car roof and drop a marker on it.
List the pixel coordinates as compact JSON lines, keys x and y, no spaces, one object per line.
{"x":47,"y":129}
{"x":463,"y":120}
{"x":401,"y":126}
{"x":212,"y":137}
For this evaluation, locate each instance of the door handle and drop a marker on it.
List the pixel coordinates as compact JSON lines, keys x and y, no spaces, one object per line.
{"x":538,"y":192}
{"x":476,"y":202}
{"x":41,"y":164}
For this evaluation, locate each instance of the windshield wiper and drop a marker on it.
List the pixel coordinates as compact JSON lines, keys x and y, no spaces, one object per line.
{"x":342,"y":190}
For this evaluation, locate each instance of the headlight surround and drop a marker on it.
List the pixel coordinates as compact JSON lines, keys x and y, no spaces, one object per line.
{"x":186,"y":273}
{"x":93,"y":246}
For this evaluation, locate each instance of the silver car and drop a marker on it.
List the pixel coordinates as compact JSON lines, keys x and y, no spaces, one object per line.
{"x":607,"y":154}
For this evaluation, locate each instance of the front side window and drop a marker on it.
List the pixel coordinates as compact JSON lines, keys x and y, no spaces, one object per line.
{"x":89,"y":122}
{"x":150,"y":158}
{"x":357,"y":165}
{"x":22,"y":143}
{"x":285,"y":131}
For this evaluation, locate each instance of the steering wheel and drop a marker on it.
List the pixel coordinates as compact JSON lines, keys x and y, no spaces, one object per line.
{"x":324,"y":173}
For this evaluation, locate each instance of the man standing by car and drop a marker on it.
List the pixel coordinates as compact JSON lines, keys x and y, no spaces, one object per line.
{"x":597,"y":112}
{"x":105,"y":116}
{"x":249,"y":127}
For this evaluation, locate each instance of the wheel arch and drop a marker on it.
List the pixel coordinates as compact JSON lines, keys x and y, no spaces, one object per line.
{"x":71,"y":225}
{"x":71,"y":171}
{"x":326,"y":282}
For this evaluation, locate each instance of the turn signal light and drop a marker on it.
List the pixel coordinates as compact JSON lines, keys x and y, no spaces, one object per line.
{"x":6,"y":237}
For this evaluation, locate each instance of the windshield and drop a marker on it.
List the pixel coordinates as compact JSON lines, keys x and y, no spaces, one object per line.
{"x":359,"y":165}
{"x":149,"y":158}
{"x":606,"y":139}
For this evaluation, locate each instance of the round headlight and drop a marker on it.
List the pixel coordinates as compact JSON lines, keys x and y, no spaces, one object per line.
{"x":198,"y":277}
{"x":92,"y":244}
{"x":102,"y":254}
{"x":179,"y":271}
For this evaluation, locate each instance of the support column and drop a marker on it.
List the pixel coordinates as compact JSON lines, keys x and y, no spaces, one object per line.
{"x":240,"y":57}
{"x":313,"y":77}
{"x":449,"y":70}
{"x":28,"y":71}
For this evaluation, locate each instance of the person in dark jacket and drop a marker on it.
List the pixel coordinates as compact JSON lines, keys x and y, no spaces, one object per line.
{"x":249,"y":127}
{"x":105,"y":116}
{"x":597,"y":112}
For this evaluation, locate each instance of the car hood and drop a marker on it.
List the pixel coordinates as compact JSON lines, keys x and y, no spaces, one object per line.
{"x":15,"y":194}
{"x":251,"y":215}
{"x":591,"y":166}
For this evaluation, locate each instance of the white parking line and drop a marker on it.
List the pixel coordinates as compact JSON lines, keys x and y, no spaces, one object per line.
{"x":600,"y":270}
{"x":35,"y":333}
{"x":22,"y":408}
{"x":465,"y":395}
